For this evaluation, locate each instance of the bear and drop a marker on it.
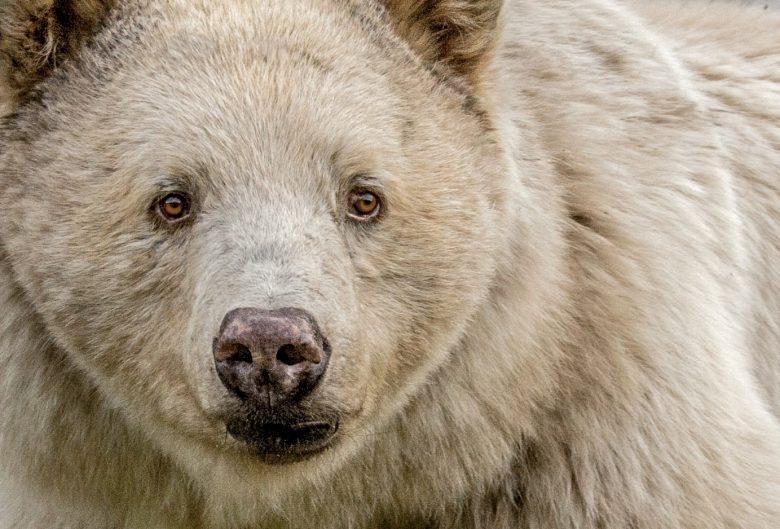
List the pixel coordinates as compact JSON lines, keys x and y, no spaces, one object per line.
{"x":392,"y":264}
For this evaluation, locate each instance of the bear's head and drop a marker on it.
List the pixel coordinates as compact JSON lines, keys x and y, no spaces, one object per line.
{"x":257,"y":227}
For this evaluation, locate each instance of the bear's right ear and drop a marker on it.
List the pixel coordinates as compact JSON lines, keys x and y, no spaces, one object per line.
{"x":37,"y":35}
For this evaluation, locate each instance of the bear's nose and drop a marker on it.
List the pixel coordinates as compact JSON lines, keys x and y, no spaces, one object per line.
{"x":270,"y":356}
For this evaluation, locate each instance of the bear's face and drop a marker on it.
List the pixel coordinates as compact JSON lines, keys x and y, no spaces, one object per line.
{"x":266,"y":220}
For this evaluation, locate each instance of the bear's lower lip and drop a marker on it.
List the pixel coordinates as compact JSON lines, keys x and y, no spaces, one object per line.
{"x":285,"y":443}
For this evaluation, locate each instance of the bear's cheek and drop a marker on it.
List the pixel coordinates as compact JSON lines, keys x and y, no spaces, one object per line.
{"x":419,"y":277}
{"x":119,"y":306}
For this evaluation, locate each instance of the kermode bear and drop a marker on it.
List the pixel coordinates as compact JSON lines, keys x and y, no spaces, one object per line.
{"x":389,"y":264}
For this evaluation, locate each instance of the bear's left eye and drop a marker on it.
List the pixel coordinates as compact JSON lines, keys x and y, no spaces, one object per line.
{"x":174,"y":207}
{"x":364,"y":205}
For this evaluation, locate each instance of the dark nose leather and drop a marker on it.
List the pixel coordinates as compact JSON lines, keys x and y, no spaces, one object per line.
{"x":270,"y":356}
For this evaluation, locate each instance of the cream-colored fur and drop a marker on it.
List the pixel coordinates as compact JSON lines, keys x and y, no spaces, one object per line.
{"x":568,"y":316}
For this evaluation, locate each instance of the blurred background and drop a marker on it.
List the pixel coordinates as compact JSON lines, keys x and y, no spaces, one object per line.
{"x":765,"y":3}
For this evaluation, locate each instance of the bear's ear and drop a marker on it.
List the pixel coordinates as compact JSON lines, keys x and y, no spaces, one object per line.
{"x":36,"y":35}
{"x":460,"y":34}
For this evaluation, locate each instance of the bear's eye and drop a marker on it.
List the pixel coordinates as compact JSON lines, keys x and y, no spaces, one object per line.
{"x":364,"y":205}
{"x":174,"y":207}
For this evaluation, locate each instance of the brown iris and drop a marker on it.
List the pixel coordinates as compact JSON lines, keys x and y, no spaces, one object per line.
{"x":364,"y":205}
{"x":174,"y":207}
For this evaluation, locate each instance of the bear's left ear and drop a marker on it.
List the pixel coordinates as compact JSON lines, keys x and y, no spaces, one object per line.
{"x":460,"y":34}
{"x":37,"y":35}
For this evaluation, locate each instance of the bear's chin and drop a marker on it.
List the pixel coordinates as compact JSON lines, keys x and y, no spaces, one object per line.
{"x":282,"y":434}
{"x":279,"y":444}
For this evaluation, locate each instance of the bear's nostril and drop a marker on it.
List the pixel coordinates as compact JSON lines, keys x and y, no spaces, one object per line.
{"x":232,"y":353}
{"x":289,"y":355}
{"x":241,"y":354}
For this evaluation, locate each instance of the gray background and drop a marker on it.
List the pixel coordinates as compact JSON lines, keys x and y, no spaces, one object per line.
{"x":769,"y":3}
{"x":765,"y":3}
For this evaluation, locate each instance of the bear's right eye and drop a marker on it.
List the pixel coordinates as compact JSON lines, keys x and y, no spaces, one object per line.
{"x":174,"y":207}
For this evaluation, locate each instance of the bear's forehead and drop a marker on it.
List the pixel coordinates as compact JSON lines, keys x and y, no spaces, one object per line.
{"x":276,"y":53}
{"x":278,"y":70}
{"x":273,"y":80}
{"x":335,"y":29}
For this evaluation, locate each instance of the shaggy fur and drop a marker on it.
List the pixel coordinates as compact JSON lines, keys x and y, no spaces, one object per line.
{"x":37,"y":34}
{"x":566,"y":316}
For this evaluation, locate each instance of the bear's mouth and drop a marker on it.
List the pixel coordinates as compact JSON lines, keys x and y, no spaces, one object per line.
{"x":282,"y":443}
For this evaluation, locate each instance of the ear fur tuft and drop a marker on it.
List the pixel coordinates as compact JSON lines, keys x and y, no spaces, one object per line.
{"x":461,"y":34}
{"x":36,"y":35}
